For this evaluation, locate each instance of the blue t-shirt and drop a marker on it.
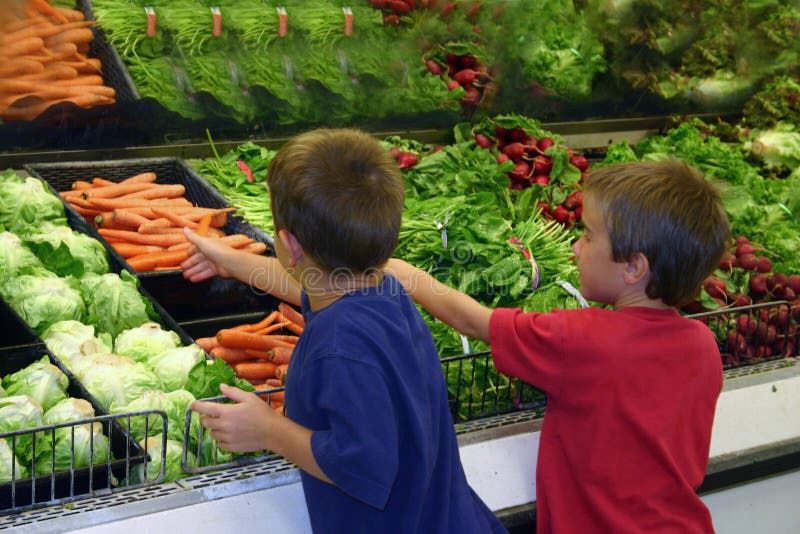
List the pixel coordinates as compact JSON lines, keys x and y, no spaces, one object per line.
{"x":366,"y":378}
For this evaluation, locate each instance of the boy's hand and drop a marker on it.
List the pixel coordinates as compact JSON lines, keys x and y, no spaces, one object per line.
{"x":241,"y":427}
{"x":207,"y":258}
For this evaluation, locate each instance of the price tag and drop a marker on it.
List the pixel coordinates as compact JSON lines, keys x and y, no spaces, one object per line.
{"x":283,"y":21}
{"x":216,"y":26}
{"x":348,"y":21}
{"x":151,"y":21}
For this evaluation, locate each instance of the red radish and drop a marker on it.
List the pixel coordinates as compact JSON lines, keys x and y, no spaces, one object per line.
{"x":516,"y":185}
{"x":758,"y":285}
{"x":451,"y":58}
{"x":465,"y":77}
{"x":521,"y":171}
{"x":390,"y":19}
{"x":736,"y":343}
{"x":378,"y":3}
{"x":395,"y":151}
{"x":545,"y":143}
{"x":715,"y":287}
{"x":407,"y":160}
{"x":739,"y":300}
{"x":502,"y":158}
{"x":467,"y":61}
{"x":746,"y":325}
{"x":788,"y":293}
{"x":794,"y":282}
{"x":499,"y":131}
{"x":561,"y":214}
{"x":448,"y":8}
{"x":764,"y":264}
{"x":574,"y":200}
{"x":531,"y":142}
{"x":777,"y":281}
{"x":745,"y":248}
{"x":472,"y":97}
{"x":543,"y":206}
{"x":740,"y":239}
{"x":580,"y":162}
{"x":398,"y":6}
{"x":578,"y":212}
{"x":796,"y":309}
{"x":542,"y":164}
{"x":434,"y":67}
{"x":748,"y":262}
{"x":540,"y":179}
{"x":515,"y":151}
{"x":482,"y":141}
{"x":780,"y":317}
{"x":728,"y":261}
{"x":452,"y":84}
{"x":517,"y":135}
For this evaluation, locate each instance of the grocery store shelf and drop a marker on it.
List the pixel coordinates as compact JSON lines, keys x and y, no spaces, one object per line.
{"x":756,"y":433}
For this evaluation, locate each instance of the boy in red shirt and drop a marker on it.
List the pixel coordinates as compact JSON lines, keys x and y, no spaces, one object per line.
{"x":631,"y":392}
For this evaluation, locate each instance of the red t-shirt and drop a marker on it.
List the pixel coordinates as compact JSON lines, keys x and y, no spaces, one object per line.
{"x":631,"y":396}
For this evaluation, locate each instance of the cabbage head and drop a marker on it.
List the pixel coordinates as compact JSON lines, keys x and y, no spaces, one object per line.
{"x":70,"y":341}
{"x":67,"y":252}
{"x":42,"y":298}
{"x":75,"y":446}
{"x":25,"y":203}
{"x":41,"y":380}
{"x":19,"y":413}
{"x":173,"y":365}
{"x":114,"y":303}
{"x":173,"y":469}
{"x":144,"y":341}
{"x":142,"y":426}
{"x":181,"y":400}
{"x":68,"y":410}
{"x":10,"y":468}
{"x":115,"y":380}
{"x":15,"y":257}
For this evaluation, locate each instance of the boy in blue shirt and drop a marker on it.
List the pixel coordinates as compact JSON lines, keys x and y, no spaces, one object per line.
{"x":368,"y":421}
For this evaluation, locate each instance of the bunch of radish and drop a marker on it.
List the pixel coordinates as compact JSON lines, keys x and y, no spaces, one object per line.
{"x":462,"y":71}
{"x":394,"y":9}
{"x":532,"y":167}
{"x":759,"y":334}
{"x":405,"y":158}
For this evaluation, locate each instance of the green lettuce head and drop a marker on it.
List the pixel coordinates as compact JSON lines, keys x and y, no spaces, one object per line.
{"x":26,"y":203}
{"x":75,"y":446}
{"x":19,"y":413}
{"x":10,"y":468}
{"x":41,"y":380}
{"x":70,"y":341}
{"x":67,"y":252}
{"x":15,"y":257}
{"x":145,"y":341}
{"x":42,"y":298}
{"x":173,"y":469}
{"x":142,"y":426}
{"x":173,"y":365}
{"x":115,"y":380}
{"x":114,"y":303}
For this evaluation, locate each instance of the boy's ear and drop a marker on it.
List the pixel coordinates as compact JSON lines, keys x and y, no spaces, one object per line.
{"x":636,"y":269}
{"x":292,"y":245}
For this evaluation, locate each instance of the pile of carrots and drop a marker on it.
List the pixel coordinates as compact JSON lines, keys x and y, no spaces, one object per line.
{"x":143,"y":221}
{"x":259,"y":352}
{"x":43,"y":61}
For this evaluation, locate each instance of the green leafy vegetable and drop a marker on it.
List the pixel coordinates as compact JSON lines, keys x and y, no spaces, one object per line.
{"x":143,"y":342}
{"x":114,"y":303}
{"x":67,"y":252}
{"x":42,"y":381}
{"x":41,"y":298}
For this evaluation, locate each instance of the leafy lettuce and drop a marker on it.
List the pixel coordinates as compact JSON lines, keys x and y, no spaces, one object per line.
{"x":67,"y":252}
{"x":114,"y":303}
{"x":25,"y":203}
{"x":41,"y":298}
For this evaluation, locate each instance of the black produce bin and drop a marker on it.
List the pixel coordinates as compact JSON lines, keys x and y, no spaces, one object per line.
{"x":183,"y":300}
{"x":79,"y":482}
{"x":16,"y":332}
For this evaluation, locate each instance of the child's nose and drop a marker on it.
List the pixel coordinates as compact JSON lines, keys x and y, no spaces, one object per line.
{"x":576,"y":247}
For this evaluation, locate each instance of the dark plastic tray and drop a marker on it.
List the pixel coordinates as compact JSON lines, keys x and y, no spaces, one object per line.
{"x":16,"y":332}
{"x":183,"y":300}
{"x":64,"y":484}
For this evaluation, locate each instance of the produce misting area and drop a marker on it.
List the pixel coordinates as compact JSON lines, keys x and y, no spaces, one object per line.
{"x":124,"y":120}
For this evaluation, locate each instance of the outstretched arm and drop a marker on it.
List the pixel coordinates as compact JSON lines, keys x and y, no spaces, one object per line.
{"x":212,"y":258}
{"x":449,"y":305}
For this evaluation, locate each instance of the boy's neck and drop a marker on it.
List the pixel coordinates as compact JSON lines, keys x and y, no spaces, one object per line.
{"x":639,"y":300}
{"x":323,"y":288}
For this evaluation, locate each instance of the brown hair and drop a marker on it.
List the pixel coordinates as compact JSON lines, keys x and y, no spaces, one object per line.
{"x":341,"y":195}
{"x":667,"y":211}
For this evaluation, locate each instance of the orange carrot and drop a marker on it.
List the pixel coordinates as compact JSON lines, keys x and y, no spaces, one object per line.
{"x":55,"y":73}
{"x":108,"y":204}
{"x":128,"y":218}
{"x":161,"y":240}
{"x":44,"y":8}
{"x":271,"y":328}
{"x":291,"y":314}
{"x":281,"y":355}
{"x":231,"y":356}
{"x":21,"y":47}
{"x":174,"y":218}
{"x":102,"y":182}
{"x":203,"y":225}
{"x":263,"y":323}
{"x":281,"y":371}
{"x":84,"y":66}
{"x":71,"y":15}
{"x":84,"y":79}
{"x":247,"y":340}
{"x":112,"y":191}
{"x":145,"y":177}
{"x":16,"y":66}
{"x":255,"y":371}
{"x":258,"y":354}
{"x":150,"y":225}
{"x":206,"y":343}
{"x":286,"y":338}
{"x":78,"y":185}
{"x":160,"y":191}
{"x":152,"y":260}
{"x":128,"y":250}
{"x":75,"y":35}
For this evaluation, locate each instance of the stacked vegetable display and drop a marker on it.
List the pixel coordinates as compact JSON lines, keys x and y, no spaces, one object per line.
{"x":43,"y":61}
